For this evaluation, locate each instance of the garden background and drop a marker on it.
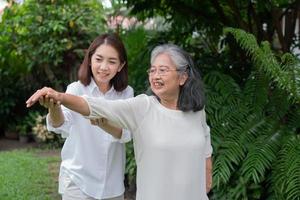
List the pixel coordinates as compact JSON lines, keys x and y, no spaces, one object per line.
{"x":246,"y":50}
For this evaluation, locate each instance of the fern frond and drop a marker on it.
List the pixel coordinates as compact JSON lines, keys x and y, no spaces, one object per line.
{"x":230,"y":91}
{"x":263,"y":57}
{"x":293,"y":118}
{"x":228,"y":157}
{"x":261,"y":155}
{"x":256,"y":92}
{"x":286,"y":174}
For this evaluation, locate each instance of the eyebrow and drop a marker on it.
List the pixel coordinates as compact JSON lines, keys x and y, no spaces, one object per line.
{"x":160,"y":66}
{"x":110,"y":58}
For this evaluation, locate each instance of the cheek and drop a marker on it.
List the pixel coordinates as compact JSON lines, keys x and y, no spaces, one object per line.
{"x":93,"y":64}
{"x":173,"y":84}
{"x":93,"y":68}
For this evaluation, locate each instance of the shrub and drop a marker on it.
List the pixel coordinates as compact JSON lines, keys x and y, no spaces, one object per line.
{"x":42,"y":135}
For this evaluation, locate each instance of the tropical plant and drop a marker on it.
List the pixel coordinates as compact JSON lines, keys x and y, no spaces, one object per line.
{"x":262,"y":18}
{"x":255,"y":126}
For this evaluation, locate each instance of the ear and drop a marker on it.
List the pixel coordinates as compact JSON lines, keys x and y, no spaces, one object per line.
{"x":182,"y":79}
{"x":121,"y":66}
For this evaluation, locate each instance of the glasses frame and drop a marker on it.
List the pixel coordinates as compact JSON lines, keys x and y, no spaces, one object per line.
{"x":160,"y":71}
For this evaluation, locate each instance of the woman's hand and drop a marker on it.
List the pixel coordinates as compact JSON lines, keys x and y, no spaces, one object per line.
{"x":46,"y":96}
{"x":104,"y":124}
{"x":48,"y":103}
{"x":101,"y":122}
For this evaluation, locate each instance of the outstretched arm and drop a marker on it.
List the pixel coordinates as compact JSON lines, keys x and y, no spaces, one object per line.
{"x":75,"y":103}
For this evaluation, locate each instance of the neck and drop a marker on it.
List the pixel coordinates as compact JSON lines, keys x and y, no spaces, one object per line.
{"x":170,"y":103}
{"x":103,"y":87}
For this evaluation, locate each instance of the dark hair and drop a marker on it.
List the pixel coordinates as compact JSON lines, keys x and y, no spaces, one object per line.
{"x":120,"y":80}
{"x":191,"y":94}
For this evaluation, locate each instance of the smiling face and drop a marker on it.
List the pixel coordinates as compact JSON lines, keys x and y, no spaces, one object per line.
{"x":165,"y":81}
{"x":105,"y":64}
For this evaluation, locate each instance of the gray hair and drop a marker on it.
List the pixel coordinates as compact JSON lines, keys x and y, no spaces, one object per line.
{"x":191,"y":95}
{"x":176,"y":54}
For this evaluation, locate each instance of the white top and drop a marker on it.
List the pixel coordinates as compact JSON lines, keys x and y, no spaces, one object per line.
{"x":92,"y":158}
{"x":170,"y":146}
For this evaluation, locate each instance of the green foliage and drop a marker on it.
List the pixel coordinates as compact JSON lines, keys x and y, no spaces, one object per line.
{"x":284,"y":73}
{"x":43,"y":33}
{"x":136,"y":41}
{"x":130,"y":170}
{"x":287,"y":172}
{"x":25,"y":176}
{"x":262,"y":18}
{"x":254,"y":130}
{"x":25,"y":124}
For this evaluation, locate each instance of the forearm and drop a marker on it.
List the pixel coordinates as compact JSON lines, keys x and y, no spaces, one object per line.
{"x":114,"y":131}
{"x":56,"y":116}
{"x":208,"y":174}
{"x":75,"y":103}
{"x":108,"y":127}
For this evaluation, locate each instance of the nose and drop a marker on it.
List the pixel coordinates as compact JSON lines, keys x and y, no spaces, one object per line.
{"x":156,"y":75}
{"x":103,"y":66}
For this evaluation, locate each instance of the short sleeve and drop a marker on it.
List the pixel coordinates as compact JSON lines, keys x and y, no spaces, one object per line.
{"x":206,"y":128}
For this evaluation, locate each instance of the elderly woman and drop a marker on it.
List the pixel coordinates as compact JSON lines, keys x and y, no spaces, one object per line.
{"x":171,"y":138}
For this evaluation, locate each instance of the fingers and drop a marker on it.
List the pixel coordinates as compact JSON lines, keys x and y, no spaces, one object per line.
{"x":98,"y":122}
{"x":104,"y":120}
{"x":94,"y":122}
{"x":35,"y":97}
{"x":48,"y":102}
{"x":42,"y":96}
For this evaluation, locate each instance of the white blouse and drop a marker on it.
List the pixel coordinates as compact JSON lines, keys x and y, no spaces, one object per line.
{"x":92,"y":158}
{"x":170,"y":146}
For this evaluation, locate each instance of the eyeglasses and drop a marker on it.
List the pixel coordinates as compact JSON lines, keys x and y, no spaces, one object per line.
{"x":160,"y":71}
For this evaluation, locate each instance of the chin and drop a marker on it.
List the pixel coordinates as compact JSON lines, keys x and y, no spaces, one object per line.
{"x":103,"y":81}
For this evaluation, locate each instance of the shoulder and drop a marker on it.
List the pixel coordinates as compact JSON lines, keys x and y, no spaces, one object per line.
{"x":128,"y":89}
{"x":202,"y":114}
{"x":75,"y":84}
{"x":126,"y":93}
{"x":143,"y":98}
{"x":76,"y":88}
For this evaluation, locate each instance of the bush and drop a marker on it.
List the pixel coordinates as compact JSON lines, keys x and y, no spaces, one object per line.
{"x":42,"y":135}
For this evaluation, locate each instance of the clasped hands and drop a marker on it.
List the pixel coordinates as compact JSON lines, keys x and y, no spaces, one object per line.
{"x":50,"y":98}
{"x":46,"y":96}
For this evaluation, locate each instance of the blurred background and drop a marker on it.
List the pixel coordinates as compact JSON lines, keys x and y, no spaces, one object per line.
{"x":246,"y":50}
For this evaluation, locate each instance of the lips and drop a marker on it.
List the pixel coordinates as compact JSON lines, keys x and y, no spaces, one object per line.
{"x":103,"y":75}
{"x":157,"y":84}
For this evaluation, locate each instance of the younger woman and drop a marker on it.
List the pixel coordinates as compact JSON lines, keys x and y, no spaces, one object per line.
{"x":93,"y":161}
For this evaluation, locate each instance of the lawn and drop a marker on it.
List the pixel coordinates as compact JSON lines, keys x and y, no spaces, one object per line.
{"x":28,"y":175}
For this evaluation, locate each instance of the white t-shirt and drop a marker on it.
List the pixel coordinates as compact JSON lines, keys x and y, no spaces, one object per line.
{"x":92,"y":158}
{"x":170,"y":146}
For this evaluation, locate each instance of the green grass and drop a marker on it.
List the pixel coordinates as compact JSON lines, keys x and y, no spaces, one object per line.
{"x":25,"y":175}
